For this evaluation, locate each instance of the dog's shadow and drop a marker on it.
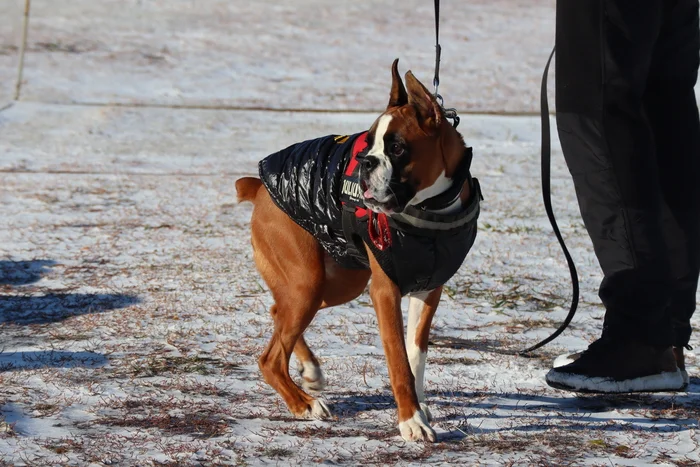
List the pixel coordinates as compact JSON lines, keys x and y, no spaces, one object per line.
{"x":348,"y":404}
{"x":658,"y":412}
{"x":667,"y":412}
{"x":574,"y":413}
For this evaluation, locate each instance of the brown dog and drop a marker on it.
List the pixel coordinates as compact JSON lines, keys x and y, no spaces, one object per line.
{"x":409,"y":228}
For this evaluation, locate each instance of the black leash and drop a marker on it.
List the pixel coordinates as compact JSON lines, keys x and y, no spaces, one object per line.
{"x":450,"y":113}
{"x":438,"y":49}
{"x":547,"y":198}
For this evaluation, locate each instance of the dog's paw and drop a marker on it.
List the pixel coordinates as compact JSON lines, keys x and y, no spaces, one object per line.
{"x":426,"y":411}
{"x":317,"y":411}
{"x":416,"y":428}
{"x":312,"y":378}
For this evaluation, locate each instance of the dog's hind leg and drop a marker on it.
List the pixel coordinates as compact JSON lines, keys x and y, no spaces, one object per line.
{"x":421,"y":309}
{"x":291,"y":314}
{"x":341,"y":285}
{"x":290,"y":321}
{"x":308,"y":366}
{"x":291,"y":263}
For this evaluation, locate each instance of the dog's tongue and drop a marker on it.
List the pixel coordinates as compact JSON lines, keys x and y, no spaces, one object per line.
{"x":367,"y":194}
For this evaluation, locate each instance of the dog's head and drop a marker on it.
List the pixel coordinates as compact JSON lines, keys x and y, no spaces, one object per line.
{"x":413,"y":150}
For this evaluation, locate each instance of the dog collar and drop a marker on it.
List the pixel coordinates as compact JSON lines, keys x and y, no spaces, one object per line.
{"x":430,"y":221}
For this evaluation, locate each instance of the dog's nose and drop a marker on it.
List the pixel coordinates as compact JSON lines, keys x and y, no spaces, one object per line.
{"x":370,"y":162}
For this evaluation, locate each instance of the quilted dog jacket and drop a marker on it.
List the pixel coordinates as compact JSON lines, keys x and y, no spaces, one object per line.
{"x":316,"y":183}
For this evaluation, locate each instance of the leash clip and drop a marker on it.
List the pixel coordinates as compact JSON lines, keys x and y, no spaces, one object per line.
{"x":436,"y":79}
{"x":450,"y":113}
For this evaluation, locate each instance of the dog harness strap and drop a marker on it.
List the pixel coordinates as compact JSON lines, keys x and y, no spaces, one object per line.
{"x":351,"y":200}
{"x":354,"y":242}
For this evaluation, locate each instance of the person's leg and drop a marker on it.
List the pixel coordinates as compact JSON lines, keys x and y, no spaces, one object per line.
{"x":604,"y":52}
{"x":673,"y":113}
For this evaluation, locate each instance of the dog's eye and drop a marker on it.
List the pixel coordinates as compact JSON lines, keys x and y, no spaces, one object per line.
{"x":396,"y":149}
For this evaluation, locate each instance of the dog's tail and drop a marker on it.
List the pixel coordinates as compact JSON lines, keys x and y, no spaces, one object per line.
{"x":247,"y":188}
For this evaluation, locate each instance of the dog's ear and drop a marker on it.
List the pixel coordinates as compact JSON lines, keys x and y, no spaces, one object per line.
{"x":398,"y":95}
{"x":429,"y":110}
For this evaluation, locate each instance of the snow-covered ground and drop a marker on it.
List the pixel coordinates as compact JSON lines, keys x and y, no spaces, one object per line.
{"x":295,"y":53}
{"x":131,"y":315}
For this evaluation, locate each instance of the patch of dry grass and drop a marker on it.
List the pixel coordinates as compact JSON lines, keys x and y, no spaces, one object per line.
{"x":178,"y":365}
{"x":196,"y":425}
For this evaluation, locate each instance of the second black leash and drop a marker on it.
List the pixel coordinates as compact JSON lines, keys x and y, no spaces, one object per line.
{"x":547,"y":198}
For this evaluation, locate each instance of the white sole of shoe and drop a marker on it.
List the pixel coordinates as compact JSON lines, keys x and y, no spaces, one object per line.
{"x":667,"y":381}
{"x":565,"y":359}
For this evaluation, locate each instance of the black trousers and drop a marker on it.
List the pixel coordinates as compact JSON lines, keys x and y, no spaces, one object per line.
{"x":628,"y":125}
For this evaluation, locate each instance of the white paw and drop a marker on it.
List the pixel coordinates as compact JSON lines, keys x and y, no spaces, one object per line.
{"x":318,"y":411}
{"x":416,"y":428}
{"x":311,"y":377}
{"x":426,"y":411}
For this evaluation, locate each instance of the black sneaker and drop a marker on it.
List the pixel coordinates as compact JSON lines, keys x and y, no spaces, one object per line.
{"x":565,"y":359}
{"x":608,"y":366}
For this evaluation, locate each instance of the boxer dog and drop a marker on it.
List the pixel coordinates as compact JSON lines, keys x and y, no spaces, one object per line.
{"x":395,"y":203}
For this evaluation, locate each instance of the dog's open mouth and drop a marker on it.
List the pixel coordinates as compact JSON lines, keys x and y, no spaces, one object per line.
{"x":388,"y":204}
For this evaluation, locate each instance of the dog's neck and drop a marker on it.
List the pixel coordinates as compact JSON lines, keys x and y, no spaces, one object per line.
{"x":458,"y":203}
{"x":448,"y":195}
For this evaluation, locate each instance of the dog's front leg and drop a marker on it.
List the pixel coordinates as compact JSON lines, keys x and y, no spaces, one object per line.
{"x":421,"y":309}
{"x":386,"y":298}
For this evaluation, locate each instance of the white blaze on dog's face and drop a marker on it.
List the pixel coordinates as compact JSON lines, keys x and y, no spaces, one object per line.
{"x":412,"y":151}
{"x":379,"y":187}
